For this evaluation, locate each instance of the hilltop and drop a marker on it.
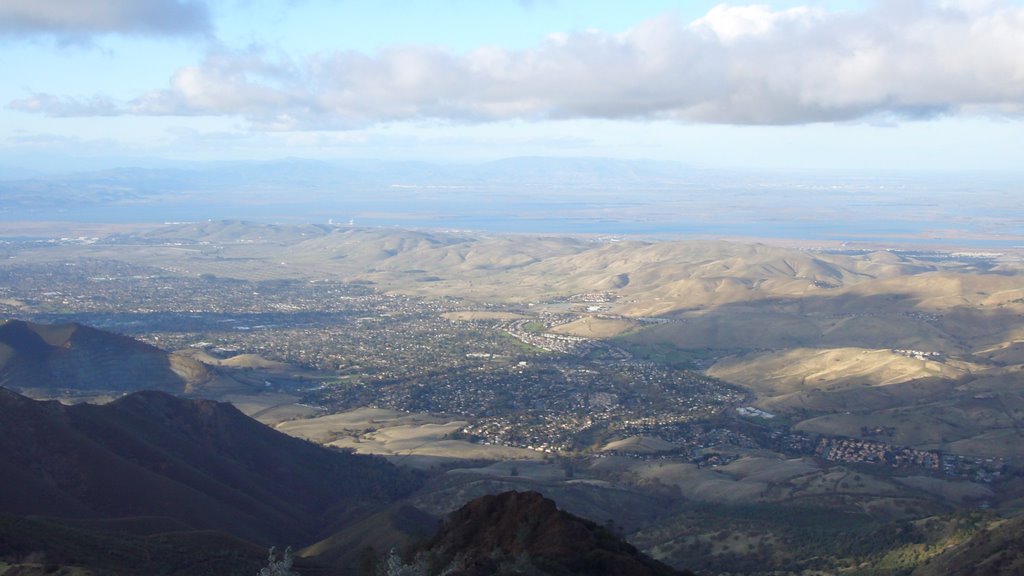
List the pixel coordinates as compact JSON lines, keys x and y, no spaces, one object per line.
{"x":516,"y":532}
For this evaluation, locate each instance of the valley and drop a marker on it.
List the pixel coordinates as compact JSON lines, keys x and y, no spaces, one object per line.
{"x":694,"y":393}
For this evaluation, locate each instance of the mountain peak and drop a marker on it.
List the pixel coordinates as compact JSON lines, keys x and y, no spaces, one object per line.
{"x":496,"y":534}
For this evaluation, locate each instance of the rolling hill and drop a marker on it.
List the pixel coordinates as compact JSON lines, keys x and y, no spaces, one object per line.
{"x":775,"y":374}
{"x":656,"y":277}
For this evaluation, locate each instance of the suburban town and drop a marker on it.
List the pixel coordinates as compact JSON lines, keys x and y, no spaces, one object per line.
{"x":518,"y":383}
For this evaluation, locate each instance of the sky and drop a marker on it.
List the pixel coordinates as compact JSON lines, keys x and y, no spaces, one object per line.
{"x":854,"y":85}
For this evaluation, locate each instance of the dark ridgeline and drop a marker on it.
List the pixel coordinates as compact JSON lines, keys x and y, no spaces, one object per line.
{"x":204,"y":465}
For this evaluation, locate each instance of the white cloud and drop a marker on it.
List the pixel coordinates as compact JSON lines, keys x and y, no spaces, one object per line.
{"x":245,"y":83}
{"x":77,"y":20}
{"x":730,"y":24}
{"x":67,"y":107}
{"x":736,"y":65}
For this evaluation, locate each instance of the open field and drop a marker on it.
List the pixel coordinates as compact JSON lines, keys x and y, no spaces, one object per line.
{"x":399,"y":434}
{"x":597,"y":327}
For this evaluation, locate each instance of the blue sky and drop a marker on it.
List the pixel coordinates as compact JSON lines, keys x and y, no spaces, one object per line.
{"x":817,"y":84}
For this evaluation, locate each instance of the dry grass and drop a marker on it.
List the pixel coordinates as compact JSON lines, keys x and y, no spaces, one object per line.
{"x":639,"y":445}
{"x":596,"y":327}
{"x":771,"y":374}
{"x":393,"y":433}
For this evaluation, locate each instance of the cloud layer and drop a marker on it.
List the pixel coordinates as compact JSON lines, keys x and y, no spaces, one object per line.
{"x":736,"y":65}
{"x":77,"y":20}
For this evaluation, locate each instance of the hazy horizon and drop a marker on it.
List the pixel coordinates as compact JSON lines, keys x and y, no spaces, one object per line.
{"x":544,"y":195}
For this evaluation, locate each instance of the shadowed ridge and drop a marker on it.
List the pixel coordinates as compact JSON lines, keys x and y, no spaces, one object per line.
{"x":19,"y":334}
{"x":492,"y":533}
{"x":23,"y":354}
{"x":77,"y":357}
{"x":203,"y":463}
{"x":39,"y":453}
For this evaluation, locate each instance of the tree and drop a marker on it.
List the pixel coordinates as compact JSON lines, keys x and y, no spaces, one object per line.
{"x":282,"y":567}
{"x":393,"y":566}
